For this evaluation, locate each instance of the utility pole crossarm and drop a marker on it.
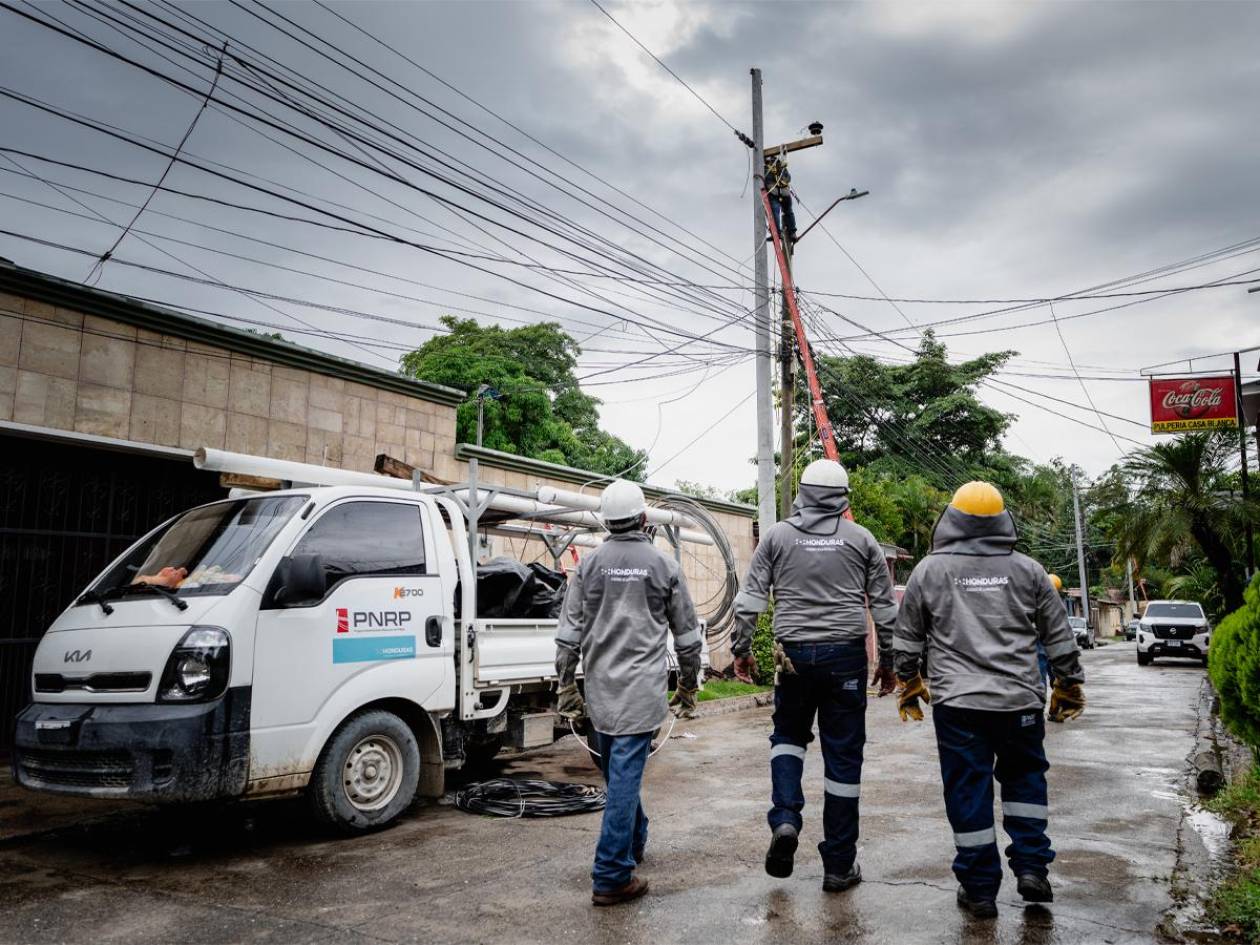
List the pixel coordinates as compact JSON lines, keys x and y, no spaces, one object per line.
{"x":799,"y":145}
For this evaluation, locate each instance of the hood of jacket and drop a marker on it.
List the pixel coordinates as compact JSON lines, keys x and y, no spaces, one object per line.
{"x":818,"y":509}
{"x":958,"y":533}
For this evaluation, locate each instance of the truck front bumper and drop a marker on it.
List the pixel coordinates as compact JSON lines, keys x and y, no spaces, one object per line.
{"x":152,"y":752}
{"x":1187,"y":649}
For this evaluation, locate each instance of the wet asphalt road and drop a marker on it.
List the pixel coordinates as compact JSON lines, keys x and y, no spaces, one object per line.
{"x":263,"y":873}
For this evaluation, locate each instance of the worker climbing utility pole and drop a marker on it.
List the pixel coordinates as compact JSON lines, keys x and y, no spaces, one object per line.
{"x":761,"y":323}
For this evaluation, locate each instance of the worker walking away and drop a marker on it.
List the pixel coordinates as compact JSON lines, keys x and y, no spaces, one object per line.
{"x":822,"y":569}
{"x":621,"y":602}
{"x":976,"y":608}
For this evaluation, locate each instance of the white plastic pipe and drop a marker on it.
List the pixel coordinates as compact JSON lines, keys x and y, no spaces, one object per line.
{"x":213,"y":460}
{"x":581,"y":500}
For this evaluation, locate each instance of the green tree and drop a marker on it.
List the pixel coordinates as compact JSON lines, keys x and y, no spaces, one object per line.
{"x":916,"y":417}
{"x":540,"y":412}
{"x":1182,"y":502}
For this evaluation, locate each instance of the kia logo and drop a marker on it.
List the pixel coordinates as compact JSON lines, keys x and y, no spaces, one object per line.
{"x":78,"y":656}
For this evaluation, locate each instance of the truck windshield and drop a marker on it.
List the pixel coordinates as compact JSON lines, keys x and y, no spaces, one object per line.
{"x":207,"y":550}
{"x":1163,"y":609}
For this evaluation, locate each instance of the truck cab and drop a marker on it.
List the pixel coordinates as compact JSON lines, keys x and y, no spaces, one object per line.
{"x":1176,"y":628}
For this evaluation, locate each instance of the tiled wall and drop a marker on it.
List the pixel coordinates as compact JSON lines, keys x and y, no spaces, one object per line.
{"x":61,"y":369}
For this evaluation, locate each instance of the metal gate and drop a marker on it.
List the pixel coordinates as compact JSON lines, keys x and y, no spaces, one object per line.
{"x":66,"y":512}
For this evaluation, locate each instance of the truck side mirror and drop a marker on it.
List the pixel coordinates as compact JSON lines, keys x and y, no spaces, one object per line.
{"x":299,"y":579}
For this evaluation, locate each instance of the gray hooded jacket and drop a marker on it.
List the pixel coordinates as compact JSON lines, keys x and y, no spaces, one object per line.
{"x":823,"y":570}
{"x":977,"y":608}
{"x":623,"y":599}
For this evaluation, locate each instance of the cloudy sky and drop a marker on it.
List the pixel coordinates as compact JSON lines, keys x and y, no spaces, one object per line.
{"x":1012,"y":151}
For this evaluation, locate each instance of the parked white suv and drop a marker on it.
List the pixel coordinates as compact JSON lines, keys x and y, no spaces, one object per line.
{"x":1173,"y":628}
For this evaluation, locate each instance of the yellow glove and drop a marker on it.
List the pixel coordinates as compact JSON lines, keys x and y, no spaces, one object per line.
{"x":1066,"y":702}
{"x":908,"y":699}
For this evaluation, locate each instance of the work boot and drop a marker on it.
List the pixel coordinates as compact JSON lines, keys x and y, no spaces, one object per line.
{"x":1034,"y":888}
{"x":782,"y":850}
{"x":839,"y":882}
{"x":632,"y":890}
{"x":978,"y":908}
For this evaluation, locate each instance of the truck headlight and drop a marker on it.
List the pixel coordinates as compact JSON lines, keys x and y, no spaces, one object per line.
{"x":198,"y":668}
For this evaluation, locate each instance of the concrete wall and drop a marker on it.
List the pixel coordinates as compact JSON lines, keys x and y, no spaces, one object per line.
{"x":61,"y":369}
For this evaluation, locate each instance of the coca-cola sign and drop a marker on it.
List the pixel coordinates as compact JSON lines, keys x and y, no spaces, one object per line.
{"x":1179,"y":404}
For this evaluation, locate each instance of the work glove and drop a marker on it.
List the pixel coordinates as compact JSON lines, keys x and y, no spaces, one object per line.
{"x":885,"y":680}
{"x":570,"y":704}
{"x":1066,"y":701}
{"x":908,"y":699}
{"x":746,"y":668}
{"x":684,"y":702}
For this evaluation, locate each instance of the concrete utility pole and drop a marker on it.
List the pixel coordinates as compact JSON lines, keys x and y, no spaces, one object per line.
{"x":1080,"y":551}
{"x":761,"y":321}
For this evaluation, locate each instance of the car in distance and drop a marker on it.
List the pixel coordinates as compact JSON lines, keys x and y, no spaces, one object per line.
{"x":1173,"y":628}
{"x":1082,"y":632}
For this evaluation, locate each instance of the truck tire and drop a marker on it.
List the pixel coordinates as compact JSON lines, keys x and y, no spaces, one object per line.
{"x":1144,"y":659}
{"x":367,"y":774}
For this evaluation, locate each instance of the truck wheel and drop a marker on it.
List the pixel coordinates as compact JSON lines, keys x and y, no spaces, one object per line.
{"x":1144,"y":659}
{"x":367,"y":773}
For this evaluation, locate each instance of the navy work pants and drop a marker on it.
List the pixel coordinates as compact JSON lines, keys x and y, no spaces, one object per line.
{"x":827,"y":680}
{"x":975,"y":748}
{"x":623,"y":833}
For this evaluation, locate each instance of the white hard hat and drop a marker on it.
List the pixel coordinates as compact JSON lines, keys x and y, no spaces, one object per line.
{"x":827,"y":473}
{"x":621,"y":500}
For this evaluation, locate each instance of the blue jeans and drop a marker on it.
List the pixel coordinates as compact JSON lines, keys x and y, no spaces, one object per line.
{"x":1043,"y":663}
{"x":828,"y":681}
{"x":623,"y":834}
{"x":784,"y":216}
{"x":976,"y":747}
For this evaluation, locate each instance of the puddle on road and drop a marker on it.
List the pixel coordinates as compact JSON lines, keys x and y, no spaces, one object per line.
{"x":1214,"y":831}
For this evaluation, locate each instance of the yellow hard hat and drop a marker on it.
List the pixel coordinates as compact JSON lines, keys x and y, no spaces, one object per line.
{"x":978,"y":498}
{"x":1057,"y":582}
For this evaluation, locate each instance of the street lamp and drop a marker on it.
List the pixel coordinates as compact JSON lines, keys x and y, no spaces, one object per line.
{"x":853,"y":194}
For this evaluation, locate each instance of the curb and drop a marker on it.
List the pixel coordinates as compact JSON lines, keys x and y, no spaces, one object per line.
{"x":756,"y":700}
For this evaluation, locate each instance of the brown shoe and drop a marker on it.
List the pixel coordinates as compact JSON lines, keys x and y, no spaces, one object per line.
{"x":631,"y":890}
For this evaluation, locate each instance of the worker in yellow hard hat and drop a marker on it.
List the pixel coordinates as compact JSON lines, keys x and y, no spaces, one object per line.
{"x":977,"y":609}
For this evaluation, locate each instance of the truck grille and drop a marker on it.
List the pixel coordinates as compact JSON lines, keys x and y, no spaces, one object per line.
{"x":97,"y":682}
{"x":1174,"y":633}
{"x":89,"y":769}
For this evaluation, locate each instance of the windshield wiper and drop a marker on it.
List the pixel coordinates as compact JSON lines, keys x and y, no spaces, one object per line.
{"x":96,"y":597}
{"x":160,"y":589}
{"x":121,"y":590}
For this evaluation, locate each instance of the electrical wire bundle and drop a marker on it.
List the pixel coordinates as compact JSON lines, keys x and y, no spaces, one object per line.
{"x":721,"y":616}
{"x":508,"y":797}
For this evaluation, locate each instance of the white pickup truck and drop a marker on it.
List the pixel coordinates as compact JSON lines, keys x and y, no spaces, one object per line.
{"x":323,"y":639}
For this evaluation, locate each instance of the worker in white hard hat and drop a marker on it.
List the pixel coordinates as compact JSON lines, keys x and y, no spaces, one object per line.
{"x":823,"y":571}
{"x":977,"y":609}
{"x":621,"y":602}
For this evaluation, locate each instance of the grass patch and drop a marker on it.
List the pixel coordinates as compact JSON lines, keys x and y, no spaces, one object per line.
{"x":1236,"y":905}
{"x":727,"y":689}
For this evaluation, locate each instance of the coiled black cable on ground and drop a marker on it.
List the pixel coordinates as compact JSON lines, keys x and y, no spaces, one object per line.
{"x":507,"y":797}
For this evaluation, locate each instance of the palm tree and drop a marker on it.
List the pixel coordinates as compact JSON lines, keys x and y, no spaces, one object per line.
{"x":1183,"y":502}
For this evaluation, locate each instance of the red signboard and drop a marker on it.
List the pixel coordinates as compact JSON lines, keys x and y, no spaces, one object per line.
{"x":1179,"y":404}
